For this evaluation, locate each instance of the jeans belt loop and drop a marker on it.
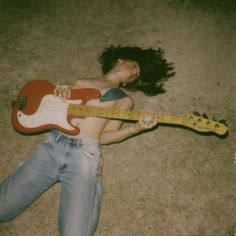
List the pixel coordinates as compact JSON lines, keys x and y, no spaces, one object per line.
{"x":79,"y":143}
{"x":58,"y":137}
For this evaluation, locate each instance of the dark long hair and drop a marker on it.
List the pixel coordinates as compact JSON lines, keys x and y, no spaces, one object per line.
{"x":154,"y":69}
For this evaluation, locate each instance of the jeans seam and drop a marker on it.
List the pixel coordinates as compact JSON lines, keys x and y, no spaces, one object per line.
{"x":91,"y":212}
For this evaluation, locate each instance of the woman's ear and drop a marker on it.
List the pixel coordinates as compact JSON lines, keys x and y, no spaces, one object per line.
{"x":120,"y":60}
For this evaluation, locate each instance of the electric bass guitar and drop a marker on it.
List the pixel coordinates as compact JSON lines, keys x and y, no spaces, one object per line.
{"x":37,"y":110}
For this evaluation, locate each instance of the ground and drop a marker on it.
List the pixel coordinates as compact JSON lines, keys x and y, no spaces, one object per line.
{"x":170,"y":181}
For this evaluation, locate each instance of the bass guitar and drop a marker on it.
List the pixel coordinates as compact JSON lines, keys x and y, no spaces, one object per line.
{"x":37,"y":110}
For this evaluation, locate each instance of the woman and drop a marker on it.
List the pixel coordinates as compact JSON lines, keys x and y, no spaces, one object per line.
{"x":74,"y":160}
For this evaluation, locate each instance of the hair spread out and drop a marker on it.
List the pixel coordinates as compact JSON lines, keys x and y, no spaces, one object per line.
{"x":154,"y":69}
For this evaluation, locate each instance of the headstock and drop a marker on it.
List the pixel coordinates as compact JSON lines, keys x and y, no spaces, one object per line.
{"x":203,"y":124}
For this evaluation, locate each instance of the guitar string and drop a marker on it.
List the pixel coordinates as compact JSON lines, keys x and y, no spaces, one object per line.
{"x":62,"y":106}
{"x":87,"y":109}
{"x":167,"y":119}
{"x":66,"y":103}
{"x":38,"y":101}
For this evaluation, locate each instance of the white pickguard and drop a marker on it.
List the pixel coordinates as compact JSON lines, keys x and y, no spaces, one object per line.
{"x":52,"y":110}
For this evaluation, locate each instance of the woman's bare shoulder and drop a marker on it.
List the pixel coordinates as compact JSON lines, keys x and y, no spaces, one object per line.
{"x":126,"y":103}
{"x":92,"y":83}
{"x":85,"y":83}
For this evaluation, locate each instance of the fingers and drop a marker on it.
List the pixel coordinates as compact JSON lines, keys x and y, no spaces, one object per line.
{"x":148,"y":121}
{"x":62,"y":91}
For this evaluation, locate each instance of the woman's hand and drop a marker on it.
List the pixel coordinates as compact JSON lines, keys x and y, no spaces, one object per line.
{"x":146,"y":122}
{"x":62,"y":91}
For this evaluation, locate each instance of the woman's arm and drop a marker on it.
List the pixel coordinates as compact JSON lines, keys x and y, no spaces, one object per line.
{"x":112,"y":133}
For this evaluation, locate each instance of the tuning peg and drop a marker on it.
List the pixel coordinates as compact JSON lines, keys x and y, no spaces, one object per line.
{"x":205,"y":116}
{"x":223,"y":121}
{"x":196,"y":113}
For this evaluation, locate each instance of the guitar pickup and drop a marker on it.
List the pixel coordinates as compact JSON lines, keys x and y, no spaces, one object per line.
{"x":20,"y":104}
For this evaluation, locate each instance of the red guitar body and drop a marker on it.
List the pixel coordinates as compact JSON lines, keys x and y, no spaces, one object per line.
{"x":37,"y":110}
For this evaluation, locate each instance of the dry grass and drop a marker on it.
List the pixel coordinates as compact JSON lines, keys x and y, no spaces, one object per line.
{"x":166,"y":182}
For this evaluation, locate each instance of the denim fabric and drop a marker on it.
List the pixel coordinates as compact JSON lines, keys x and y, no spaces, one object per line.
{"x":72,"y":162}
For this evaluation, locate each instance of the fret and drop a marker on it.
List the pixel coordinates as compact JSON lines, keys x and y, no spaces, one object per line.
{"x":136,"y":115}
{"x":91,"y":111}
{"x":82,"y":111}
{"x":127,"y":115}
{"x":123,"y":114}
{"x":107,"y":113}
{"x":116,"y":113}
{"x":98,"y":112}
{"x":170,"y":119}
{"x":88,"y":111}
{"x":110,"y":113}
{"x":103,"y":113}
{"x":119,"y":114}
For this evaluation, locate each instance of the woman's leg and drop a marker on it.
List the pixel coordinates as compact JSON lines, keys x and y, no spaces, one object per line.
{"x":27,"y":182}
{"x":80,"y":194}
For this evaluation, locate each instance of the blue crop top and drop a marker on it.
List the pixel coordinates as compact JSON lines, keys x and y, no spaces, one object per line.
{"x":113,"y":94}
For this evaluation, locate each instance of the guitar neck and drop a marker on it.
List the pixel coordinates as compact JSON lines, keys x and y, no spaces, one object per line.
{"x":111,"y":113}
{"x":191,"y":121}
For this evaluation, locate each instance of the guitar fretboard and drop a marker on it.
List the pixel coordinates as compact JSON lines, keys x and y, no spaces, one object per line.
{"x":111,"y":113}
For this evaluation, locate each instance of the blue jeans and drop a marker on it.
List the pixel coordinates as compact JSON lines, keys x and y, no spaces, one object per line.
{"x":72,"y":162}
